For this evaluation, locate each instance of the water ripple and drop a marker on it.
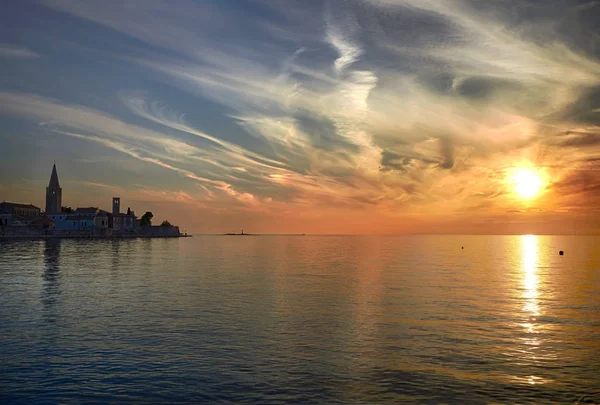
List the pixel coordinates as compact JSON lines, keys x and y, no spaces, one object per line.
{"x":277,"y":320}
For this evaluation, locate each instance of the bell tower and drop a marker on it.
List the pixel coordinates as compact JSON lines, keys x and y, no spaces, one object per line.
{"x":116,"y":205}
{"x":53,"y":193}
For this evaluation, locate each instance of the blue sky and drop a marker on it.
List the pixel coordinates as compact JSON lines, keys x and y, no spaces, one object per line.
{"x":374,"y":116}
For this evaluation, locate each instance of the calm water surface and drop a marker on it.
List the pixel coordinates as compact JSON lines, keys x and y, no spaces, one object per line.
{"x":313,"y":319}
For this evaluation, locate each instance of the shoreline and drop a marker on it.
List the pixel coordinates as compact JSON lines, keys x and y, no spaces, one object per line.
{"x":43,"y":237}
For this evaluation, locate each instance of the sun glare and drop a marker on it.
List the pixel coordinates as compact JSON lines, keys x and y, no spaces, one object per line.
{"x":527,"y":183}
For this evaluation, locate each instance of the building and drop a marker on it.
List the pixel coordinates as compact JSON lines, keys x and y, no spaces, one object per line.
{"x":42,"y":223}
{"x":78,"y":223}
{"x":101,"y":221}
{"x":93,"y":219}
{"x":23,"y":210}
{"x":5,"y":218}
{"x":14,"y":214}
{"x":26,"y":219}
{"x":88,"y":218}
{"x":59,"y":219}
{"x":53,"y":193}
{"x":122,"y":222}
{"x":116,"y":205}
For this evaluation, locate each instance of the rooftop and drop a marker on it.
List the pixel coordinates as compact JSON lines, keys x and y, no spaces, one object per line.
{"x":17,"y":205}
{"x":87,"y":210}
{"x":123,"y":215}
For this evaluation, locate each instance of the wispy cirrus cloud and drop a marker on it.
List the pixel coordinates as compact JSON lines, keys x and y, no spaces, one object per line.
{"x":16,"y":52}
{"x":140,"y":143}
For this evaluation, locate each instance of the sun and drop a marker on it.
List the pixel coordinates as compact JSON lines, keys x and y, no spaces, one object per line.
{"x":527,"y":183}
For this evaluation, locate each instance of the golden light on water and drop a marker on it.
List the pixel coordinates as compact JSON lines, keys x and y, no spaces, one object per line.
{"x":530,"y":277}
{"x":533,"y":347}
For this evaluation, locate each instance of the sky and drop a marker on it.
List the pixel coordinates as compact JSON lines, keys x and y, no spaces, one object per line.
{"x":332,"y":117}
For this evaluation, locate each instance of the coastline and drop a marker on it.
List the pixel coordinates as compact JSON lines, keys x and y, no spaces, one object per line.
{"x":101,"y":237}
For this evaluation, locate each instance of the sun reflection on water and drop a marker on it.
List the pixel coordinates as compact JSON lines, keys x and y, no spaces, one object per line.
{"x":530,"y":277}
{"x":531,"y":309}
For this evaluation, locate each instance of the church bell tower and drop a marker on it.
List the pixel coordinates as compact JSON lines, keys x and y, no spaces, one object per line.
{"x":53,"y":193}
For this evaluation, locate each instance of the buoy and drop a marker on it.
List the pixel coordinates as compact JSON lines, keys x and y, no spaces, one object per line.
{"x":561,"y":253}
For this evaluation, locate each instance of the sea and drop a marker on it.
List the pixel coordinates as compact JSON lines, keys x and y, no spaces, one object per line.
{"x":301,"y":319}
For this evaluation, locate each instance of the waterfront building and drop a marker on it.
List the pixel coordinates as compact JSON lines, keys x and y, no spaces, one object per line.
{"x":5,"y":218}
{"x":53,"y":193}
{"x":78,"y":223}
{"x":122,"y":222}
{"x":42,"y":223}
{"x":101,"y":221}
{"x":23,"y":210}
{"x":14,"y":214}
{"x":59,"y":219}
{"x":26,"y":220}
{"x":88,"y":218}
{"x":116,"y":206}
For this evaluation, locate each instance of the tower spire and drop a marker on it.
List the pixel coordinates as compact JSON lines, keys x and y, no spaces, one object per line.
{"x":54,"y":178}
{"x":53,"y":193}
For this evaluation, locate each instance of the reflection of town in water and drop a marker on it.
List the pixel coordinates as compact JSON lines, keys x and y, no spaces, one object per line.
{"x":51,"y":276}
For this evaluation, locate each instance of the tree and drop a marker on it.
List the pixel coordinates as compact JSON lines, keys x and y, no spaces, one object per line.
{"x":165,"y":223}
{"x":67,"y":210}
{"x":146,"y":219}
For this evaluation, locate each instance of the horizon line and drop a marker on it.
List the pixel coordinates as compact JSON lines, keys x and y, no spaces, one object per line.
{"x":398,"y":234}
